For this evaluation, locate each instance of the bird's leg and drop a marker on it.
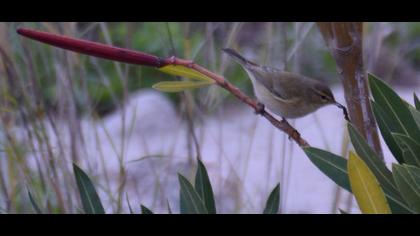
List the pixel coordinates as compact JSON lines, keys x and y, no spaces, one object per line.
{"x":260,"y":109}
{"x":295,"y":134}
{"x":176,"y":61}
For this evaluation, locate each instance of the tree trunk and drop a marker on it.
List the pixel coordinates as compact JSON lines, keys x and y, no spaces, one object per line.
{"x":345,"y":42}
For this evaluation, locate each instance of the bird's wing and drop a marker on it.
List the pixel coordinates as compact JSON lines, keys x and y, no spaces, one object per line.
{"x":289,"y":84}
{"x":260,"y":74}
{"x":282,"y":84}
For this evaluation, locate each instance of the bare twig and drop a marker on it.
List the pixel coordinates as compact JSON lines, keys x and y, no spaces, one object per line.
{"x":140,"y":58}
{"x":344,"y":40}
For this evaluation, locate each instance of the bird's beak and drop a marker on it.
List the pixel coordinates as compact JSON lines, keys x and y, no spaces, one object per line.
{"x":346,"y":116}
{"x":339,"y":105}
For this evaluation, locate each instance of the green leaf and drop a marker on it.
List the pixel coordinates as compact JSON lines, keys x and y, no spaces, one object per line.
{"x":193,"y":204}
{"x":366,"y":189}
{"x":376,"y":165}
{"x":410,"y":149}
{"x":416,"y":102}
{"x":185,"y":72}
{"x":273,"y":201}
{"x":385,"y":124}
{"x":395,"y":107}
{"x":335,"y":167}
{"x":145,"y":210}
{"x":408,"y":181}
{"x":90,"y":199}
{"x":331,"y":165}
{"x":178,"y":86}
{"x":203,"y":188}
{"x":415,"y":170}
{"x":342,"y":211}
{"x":182,"y":203}
{"x":416,"y":115}
{"x":33,"y":203}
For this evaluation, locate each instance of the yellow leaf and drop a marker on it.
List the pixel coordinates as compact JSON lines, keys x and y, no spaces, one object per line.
{"x":365,"y":187}
{"x":185,"y":72}
{"x":178,"y":86}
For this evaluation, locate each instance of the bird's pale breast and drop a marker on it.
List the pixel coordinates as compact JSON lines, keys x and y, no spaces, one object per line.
{"x":292,"y":108}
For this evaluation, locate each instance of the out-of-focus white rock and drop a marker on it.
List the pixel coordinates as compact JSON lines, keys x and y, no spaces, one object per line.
{"x":147,"y":112}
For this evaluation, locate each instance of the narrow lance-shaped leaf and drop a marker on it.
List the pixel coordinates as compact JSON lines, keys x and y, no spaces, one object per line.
{"x":90,"y":199}
{"x":395,"y":107}
{"x":366,"y":189}
{"x":386,"y":126}
{"x":182,"y":203}
{"x":186,"y":72}
{"x":408,"y":181}
{"x":178,"y":86}
{"x":273,"y":202}
{"x":410,"y":149}
{"x":372,"y":160}
{"x":335,"y":167}
{"x":343,"y":212}
{"x":204,"y":188}
{"x":416,"y":102}
{"x":193,"y":204}
{"x":145,"y":210}
{"x":416,"y":115}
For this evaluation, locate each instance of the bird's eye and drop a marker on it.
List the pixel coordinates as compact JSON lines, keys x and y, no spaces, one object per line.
{"x":323,"y":97}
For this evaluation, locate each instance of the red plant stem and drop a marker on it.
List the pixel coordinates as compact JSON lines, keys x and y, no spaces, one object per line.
{"x":140,"y":58}
{"x":92,"y":48}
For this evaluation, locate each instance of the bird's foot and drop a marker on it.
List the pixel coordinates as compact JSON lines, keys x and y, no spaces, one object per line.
{"x":176,"y":61}
{"x":260,"y":109}
{"x":294,"y":134}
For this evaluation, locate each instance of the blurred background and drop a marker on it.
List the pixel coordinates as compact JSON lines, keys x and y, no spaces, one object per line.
{"x":59,"y":107}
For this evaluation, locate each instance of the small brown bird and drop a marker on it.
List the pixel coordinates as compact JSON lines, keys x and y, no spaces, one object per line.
{"x":286,"y":94}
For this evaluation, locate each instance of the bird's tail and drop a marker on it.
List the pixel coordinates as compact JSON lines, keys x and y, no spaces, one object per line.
{"x":238,"y":58}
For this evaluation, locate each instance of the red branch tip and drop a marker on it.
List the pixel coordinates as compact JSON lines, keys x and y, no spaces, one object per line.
{"x":93,"y":48}
{"x":140,"y":58}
